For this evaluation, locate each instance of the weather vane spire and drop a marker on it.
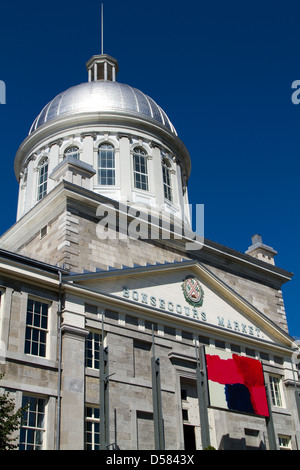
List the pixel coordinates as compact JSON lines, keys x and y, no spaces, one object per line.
{"x":102,"y":28}
{"x":102,"y":66}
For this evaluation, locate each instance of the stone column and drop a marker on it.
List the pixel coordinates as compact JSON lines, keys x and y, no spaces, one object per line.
{"x":156,"y":184}
{"x":53,"y":162}
{"x":88,"y":150}
{"x":31,"y":188}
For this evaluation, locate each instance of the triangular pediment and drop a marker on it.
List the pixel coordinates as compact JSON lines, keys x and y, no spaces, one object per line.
{"x":186,"y":291}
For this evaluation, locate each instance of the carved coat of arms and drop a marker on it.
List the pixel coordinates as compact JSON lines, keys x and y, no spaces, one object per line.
{"x":193,"y":291}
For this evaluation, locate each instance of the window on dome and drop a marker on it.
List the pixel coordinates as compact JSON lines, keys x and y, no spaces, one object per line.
{"x":72,"y":152}
{"x":167,"y":181}
{"x":140,"y":171}
{"x":106,"y":165}
{"x":43,"y":179}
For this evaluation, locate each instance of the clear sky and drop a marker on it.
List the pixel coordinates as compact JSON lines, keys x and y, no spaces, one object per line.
{"x":223,"y":73}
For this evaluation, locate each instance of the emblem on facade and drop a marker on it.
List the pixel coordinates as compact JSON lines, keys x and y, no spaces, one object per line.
{"x":193,"y":291}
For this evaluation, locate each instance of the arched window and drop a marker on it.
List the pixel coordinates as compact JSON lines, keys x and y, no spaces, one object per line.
{"x":106,"y":165}
{"x":167,"y":180}
{"x":43,"y":179}
{"x":140,"y":171}
{"x":72,"y":152}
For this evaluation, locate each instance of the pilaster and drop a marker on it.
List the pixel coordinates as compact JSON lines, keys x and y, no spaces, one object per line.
{"x":157,"y":178}
{"x":125,"y":169}
{"x":73,"y":401}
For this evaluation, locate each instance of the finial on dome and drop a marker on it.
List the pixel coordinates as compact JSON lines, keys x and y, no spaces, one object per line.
{"x":103,"y":66}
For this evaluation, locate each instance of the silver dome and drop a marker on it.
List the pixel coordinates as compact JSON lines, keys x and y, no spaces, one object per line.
{"x":107,"y":96}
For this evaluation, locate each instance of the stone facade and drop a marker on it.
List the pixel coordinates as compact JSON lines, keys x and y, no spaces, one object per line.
{"x":69,"y":239}
{"x":131,"y":412}
{"x":67,"y":236}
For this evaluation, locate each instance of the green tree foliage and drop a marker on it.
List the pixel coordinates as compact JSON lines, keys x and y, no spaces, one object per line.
{"x":10,"y":421}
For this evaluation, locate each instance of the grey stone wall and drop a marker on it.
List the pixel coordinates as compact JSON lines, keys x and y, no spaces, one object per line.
{"x":131,"y":408}
{"x":71,"y":241}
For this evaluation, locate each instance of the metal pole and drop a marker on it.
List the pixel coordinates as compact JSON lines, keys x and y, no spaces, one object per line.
{"x":59,"y":312}
{"x":202,"y":396}
{"x":115,"y":423}
{"x":104,"y":394}
{"x":156,"y":396}
{"x":102,"y":28}
{"x":270,"y":423}
{"x":297,"y":397}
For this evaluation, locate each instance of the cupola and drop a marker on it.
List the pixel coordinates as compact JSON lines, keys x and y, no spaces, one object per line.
{"x":102,"y":67}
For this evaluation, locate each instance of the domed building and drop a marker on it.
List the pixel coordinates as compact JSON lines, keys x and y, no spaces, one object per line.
{"x":125,"y":145}
{"x":120,"y":327}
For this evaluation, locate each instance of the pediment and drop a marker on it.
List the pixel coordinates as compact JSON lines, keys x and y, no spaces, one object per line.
{"x":185,"y":291}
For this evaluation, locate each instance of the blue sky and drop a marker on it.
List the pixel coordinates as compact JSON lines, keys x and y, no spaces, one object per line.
{"x":223,"y":73}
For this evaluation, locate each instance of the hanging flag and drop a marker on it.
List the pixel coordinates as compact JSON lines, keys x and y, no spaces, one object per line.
{"x":236,"y":382}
